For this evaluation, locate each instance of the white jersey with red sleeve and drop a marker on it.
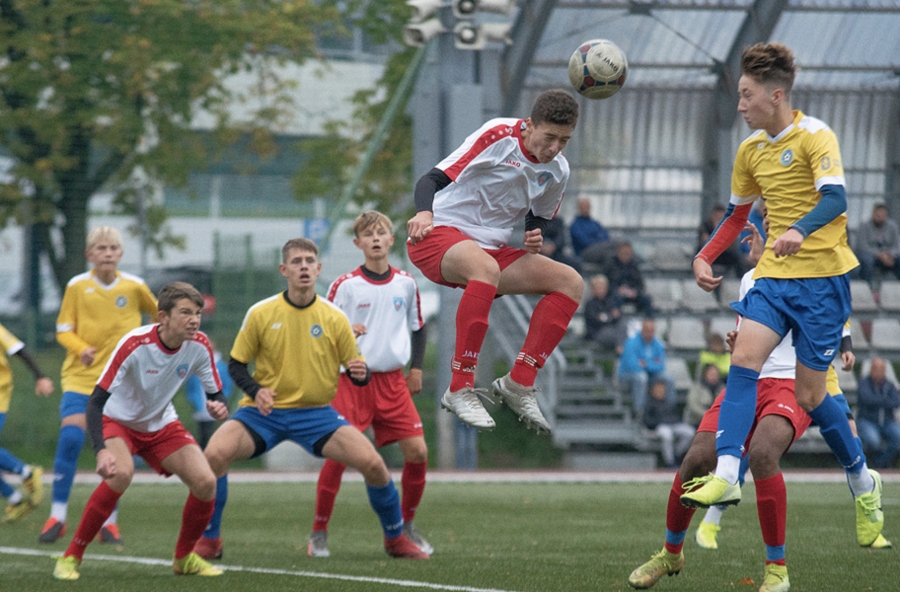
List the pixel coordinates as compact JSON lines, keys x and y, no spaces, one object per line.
{"x":496,"y":182}
{"x":389,"y":309}
{"x":143,"y":375}
{"x":782,"y":362}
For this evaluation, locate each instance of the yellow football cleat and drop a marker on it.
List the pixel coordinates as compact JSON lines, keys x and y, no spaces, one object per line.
{"x":661,"y":564}
{"x":67,"y":568}
{"x":869,"y":517}
{"x":710,"y":490}
{"x":33,"y":486}
{"x":706,"y":535}
{"x":193,"y":565}
{"x":776,"y":579}
{"x":881,"y":543}
{"x":18,"y":510}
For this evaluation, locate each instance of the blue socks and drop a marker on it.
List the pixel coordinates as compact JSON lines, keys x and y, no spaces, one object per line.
{"x":215,"y":523}
{"x":832,"y":422}
{"x":71,"y":439}
{"x":386,"y":503}
{"x":675,"y":538}
{"x":10,"y":463}
{"x":738,"y":409}
{"x":774,"y":554}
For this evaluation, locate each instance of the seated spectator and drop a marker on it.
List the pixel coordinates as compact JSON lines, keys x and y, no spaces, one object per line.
{"x":877,"y":245}
{"x":603,"y":323}
{"x":661,"y":416}
{"x":715,"y":354}
{"x":731,"y":259}
{"x":626,"y":280}
{"x":643,"y":362}
{"x":588,"y":233}
{"x":702,"y":394}
{"x":554,"y":244}
{"x":877,"y":398}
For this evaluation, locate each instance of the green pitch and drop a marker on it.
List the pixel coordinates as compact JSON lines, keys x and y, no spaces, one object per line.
{"x":488,"y":537}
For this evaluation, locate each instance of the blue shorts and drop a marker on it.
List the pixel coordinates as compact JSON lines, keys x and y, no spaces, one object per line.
{"x":305,"y":426}
{"x":72,"y":403}
{"x":2,"y":421}
{"x":814,"y":310}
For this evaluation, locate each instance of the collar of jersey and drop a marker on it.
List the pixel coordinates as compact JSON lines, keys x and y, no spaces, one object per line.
{"x":159,"y":342}
{"x":297,"y":306}
{"x":376,"y":278}
{"x":517,"y":132}
{"x":100,"y":283}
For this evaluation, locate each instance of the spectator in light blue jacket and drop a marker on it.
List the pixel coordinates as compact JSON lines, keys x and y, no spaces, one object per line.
{"x":642,"y":363}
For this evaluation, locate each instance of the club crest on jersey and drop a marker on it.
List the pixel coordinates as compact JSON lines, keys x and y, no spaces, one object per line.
{"x":826,"y":163}
{"x":316,"y":331}
{"x":181,"y":370}
{"x":787,"y":157}
{"x":543,"y":178}
{"x":121,"y":301}
{"x":398,"y":302}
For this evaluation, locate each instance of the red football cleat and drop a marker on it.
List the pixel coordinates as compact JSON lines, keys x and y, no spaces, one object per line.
{"x":209,"y":548}
{"x":404,"y":548}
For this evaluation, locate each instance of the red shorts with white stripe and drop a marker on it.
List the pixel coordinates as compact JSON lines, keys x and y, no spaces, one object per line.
{"x":384,"y":404}
{"x":774,"y":396}
{"x":153,"y":447}
{"x":428,"y":253}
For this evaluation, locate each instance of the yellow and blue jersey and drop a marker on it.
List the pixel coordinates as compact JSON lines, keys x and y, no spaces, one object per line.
{"x":9,"y":345}
{"x":93,"y":314}
{"x":788,"y":171}
{"x":298,"y":351}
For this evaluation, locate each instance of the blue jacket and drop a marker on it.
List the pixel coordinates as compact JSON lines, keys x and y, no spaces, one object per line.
{"x":876,"y":402}
{"x":654,"y":354}
{"x":585,"y":231}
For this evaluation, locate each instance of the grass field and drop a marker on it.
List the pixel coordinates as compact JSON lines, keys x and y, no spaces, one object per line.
{"x":520,"y":536}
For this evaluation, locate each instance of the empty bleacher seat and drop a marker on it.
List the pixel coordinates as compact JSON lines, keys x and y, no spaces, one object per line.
{"x":686,"y":333}
{"x":696,"y":299}
{"x":666,"y":293}
{"x":729,"y":291}
{"x":672,"y":256}
{"x":860,"y":343}
{"x":723,"y":324}
{"x":863,"y":301}
{"x":890,"y":296}
{"x":677,"y":369}
{"x":886,"y":335}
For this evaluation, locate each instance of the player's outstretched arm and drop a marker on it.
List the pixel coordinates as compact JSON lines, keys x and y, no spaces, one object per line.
{"x":704,"y":275}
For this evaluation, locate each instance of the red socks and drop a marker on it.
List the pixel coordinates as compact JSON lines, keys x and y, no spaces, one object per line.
{"x":413,"y":482}
{"x":471,"y":327}
{"x":100,"y":505}
{"x":771,"y":506}
{"x":326,"y":491}
{"x":547,"y":328}
{"x":678,"y":518}
{"x":194,"y":518}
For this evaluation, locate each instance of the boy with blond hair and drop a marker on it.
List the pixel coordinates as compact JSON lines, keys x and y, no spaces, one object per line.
{"x":99,"y":306}
{"x":382,"y":303}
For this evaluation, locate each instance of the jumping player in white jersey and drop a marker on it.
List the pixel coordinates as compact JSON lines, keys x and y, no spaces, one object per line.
{"x":466,"y":208}
{"x":383,"y":306}
{"x":130,"y":412}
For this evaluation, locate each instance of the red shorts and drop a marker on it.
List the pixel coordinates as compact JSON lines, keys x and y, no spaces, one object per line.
{"x":153,"y":447}
{"x":384,"y":403}
{"x":774,"y":396}
{"x":428,"y":253}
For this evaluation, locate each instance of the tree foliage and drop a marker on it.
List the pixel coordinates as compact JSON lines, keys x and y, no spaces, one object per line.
{"x":92,"y":91}
{"x":334,"y":157}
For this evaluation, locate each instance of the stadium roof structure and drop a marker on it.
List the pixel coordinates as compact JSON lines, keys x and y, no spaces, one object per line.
{"x":658,"y":154}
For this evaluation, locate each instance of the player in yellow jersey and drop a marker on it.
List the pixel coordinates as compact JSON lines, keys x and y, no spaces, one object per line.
{"x":19,"y":503}
{"x":98,"y":308}
{"x":299,"y":342}
{"x":802,"y":283}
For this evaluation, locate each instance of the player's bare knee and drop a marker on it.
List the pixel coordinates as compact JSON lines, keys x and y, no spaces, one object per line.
{"x":204,"y":487}
{"x":808,"y":400}
{"x":573,"y":286}
{"x":418,"y":454}
{"x":763,"y":461}
{"x":374,"y":471}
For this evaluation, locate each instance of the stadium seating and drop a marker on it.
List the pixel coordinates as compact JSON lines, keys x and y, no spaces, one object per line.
{"x":686,"y":333}
{"x":863,"y":301}
{"x":696,"y":299}
{"x":886,"y":336}
{"x":890,"y":296}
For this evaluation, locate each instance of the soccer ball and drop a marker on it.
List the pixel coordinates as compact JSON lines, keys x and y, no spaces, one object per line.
{"x":598,"y":68}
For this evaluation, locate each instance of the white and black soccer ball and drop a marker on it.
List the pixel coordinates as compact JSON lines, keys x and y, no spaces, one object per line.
{"x":598,"y":69}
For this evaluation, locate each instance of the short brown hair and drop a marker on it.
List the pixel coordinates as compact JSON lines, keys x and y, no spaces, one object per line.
{"x":172,"y":293}
{"x":302,"y":244}
{"x":371,"y":219}
{"x":554,"y":106}
{"x":769,"y":63}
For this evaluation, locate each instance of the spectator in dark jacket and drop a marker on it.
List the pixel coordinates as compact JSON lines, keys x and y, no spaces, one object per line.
{"x":877,"y":398}
{"x":661,"y":416}
{"x":603,"y":322}
{"x":626,"y":280}
{"x":877,"y":245}
{"x":554,"y":244}
{"x":586,"y":231}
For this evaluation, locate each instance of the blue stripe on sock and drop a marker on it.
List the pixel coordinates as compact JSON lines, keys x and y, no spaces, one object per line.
{"x":835,"y":430}
{"x":775,"y":553}
{"x":386,"y":502}
{"x":737,"y":411}
{"x":71,"y":439}
{"x":214,"y":527}
{"x":675,"y":538}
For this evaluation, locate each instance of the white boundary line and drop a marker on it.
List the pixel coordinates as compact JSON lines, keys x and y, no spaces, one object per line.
{"x":261,"y":570}
{"x":435,"y":476}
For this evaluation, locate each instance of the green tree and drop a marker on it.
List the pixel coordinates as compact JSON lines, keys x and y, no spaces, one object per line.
{"x":92,"y":91}
{"x":333,"y":157}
